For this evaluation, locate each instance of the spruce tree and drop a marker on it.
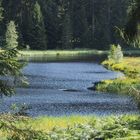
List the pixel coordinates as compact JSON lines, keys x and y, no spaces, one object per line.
{"x":10,"y":66}
{"x":11,"y":36}
{"x":38,"y":31}
{"x":10,"y":71}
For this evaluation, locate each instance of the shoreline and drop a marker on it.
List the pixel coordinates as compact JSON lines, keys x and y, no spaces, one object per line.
{"x":63,"y":55}
{"x":128,"y":84}
{"x":44,"y":127}
{"x":69,"y":55}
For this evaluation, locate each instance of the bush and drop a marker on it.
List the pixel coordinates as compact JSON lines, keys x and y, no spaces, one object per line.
{"x":115,"y":54}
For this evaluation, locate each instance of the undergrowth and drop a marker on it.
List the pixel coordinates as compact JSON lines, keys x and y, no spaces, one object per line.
{"x":113,"y":127}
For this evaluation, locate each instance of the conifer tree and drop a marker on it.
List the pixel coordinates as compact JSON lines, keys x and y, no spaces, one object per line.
{"x":10,"y":66}
{"x":38,"y":31}
{"x":91,"y":22}
{"x":11,"y":36}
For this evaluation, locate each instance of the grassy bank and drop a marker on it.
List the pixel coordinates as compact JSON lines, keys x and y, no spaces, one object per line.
{"x":129,"y":84}
{"x":70,"y":128}
{"x":69,"y":55}
{"x":61,"y":52}
{"x":62,"y":55}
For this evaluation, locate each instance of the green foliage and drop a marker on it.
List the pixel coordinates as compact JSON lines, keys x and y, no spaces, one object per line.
{"x":10,"y":67}
{"x":124,"y":127}
{"x":131,"y":33}
{"x":66,"y":24}
{"x":9,"y":124}
{"x":37,"y":15}
{"x":130,"y":69}
{"x":115,"y":54}
{"x":10,"y":71}
{"x":11,"y":36}
{"x":129,"y":84}
{"x":120,"y":85}
{"x":38,"y":39}
{"x":19,"y":109}
{"x":129,"y":41}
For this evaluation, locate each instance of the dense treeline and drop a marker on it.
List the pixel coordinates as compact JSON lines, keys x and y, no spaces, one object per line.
{"x":65,"y":24}
{"x":132,"y":28}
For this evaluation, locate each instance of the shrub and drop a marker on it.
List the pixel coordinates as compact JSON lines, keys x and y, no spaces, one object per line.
{"x":97,"y":128}
{"x":115,"y":54}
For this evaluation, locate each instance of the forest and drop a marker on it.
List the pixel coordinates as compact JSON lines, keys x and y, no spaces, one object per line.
{"x":65,"y":24}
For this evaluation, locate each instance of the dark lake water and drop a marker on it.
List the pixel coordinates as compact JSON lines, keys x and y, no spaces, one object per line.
{"x":46,"y":93}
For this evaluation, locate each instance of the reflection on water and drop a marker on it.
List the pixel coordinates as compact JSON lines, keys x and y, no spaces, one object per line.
{"x":65,"y":58}
{"x":61,"y":89}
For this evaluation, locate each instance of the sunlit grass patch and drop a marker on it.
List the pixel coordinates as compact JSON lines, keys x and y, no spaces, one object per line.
{"x":130,"y":66}
{"x":120,"y":85}
{"x":48,"y":123}
{"x":74,"y":127}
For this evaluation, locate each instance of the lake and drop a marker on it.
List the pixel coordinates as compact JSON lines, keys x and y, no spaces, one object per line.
{"x":58,"y":89}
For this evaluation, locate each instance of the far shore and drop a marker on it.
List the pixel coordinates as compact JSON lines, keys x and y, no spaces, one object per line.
{"x":68,"y":55}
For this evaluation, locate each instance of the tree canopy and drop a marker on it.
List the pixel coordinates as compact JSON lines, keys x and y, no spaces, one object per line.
{"x":65,"y":24}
